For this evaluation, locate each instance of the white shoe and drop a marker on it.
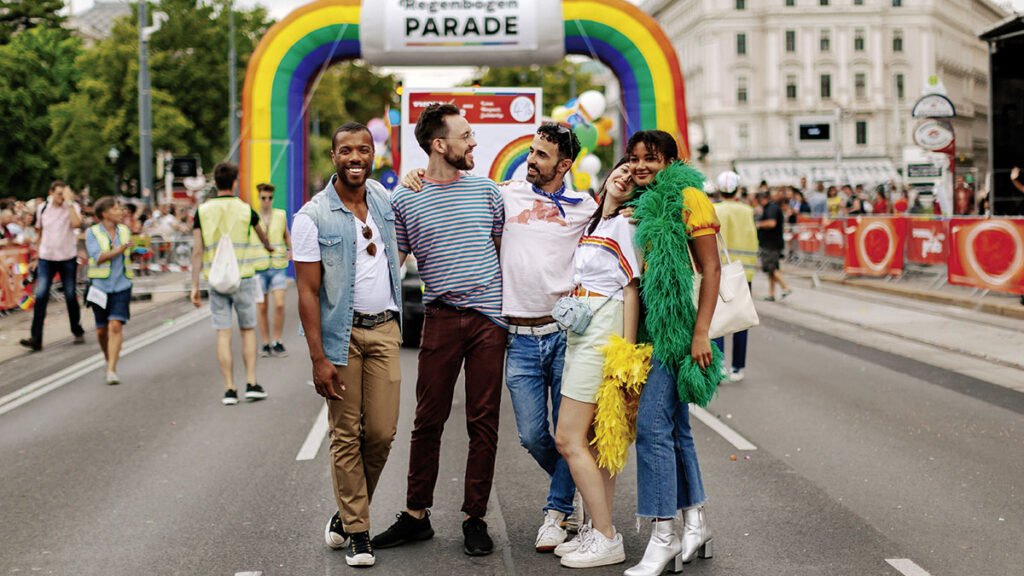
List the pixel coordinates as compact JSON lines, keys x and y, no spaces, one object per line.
{"x":736,"y":375}
{"x":571,"y":545}
{"x":596,"y":551}
{"x":579,"y":514}
{"x":696,"y":534}
{"x":550,"y":534}
{"x":663,"y":551}
{"x":112,"y":378}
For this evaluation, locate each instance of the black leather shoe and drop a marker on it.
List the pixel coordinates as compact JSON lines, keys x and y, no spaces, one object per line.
{"x":32,"y":343}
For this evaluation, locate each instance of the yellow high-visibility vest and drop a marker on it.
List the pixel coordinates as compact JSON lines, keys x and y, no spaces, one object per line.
{"x":739,"y":233}
{"x":102,"y":270}
{"x":275,"y":234}
{"x":231,"y":216}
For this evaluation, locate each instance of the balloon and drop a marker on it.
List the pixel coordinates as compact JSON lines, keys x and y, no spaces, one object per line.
{"x":560,"y":113}
{"x":587,"y":134}
{"x":575,"y":118}
{"x":590,"y":164}
{"x":395,"y":117}
{"x":378,"y":130}
{"x":604,"y":127}
{"x":571,"y":103}
{"x":581,"y":181}
{"x":389,"y":179}
{"x":592,"y":103}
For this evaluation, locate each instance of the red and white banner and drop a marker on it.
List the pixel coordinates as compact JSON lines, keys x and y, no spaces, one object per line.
{"x":874,"y":246}
{"x":927,"y":241}
{"x":835,"y":239}
{"x":987,"y":253}
{"x":809,"y":234}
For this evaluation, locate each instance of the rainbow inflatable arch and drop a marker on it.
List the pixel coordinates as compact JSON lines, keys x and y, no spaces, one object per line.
{"x":274,"y":141}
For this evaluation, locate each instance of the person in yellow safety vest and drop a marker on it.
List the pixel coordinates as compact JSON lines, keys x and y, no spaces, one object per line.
{"x":220,"y":215}
{"x":271,"y":269}
{"x":740,"y":236}
{"x":110,"y":277}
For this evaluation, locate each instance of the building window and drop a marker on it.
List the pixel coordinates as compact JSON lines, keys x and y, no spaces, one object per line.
{"x":825,"y":42}
{"x":897,"y":40}
{"x":822,"y":2}
{"x":858,"y":40}
{"x":743,"y":130}
{"x":860,"y":85}
{"x":741,"y":44}
{"x":897,"y":3}
{"x":858,"y":2}
{"x":790,"y":2}
{"x":826,"y":86}
{"x":791,"y":87}
{"x":741,"y":4}
{"x":741,"y":90}
{"x":790,"y":40}
{"x":862,"y":132}
{"x":900,"y":89}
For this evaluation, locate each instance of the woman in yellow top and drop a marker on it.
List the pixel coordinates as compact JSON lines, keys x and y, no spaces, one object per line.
{"x":673,"y":217}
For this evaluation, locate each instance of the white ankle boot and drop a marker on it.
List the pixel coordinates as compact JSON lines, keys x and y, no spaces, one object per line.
{"x":662,"y":551}
{"x":696,"y":536}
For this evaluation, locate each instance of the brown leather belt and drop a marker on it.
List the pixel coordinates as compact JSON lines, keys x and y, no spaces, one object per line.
{"x":531,"y":321}
{"x":371,"y":321}
{"x":582,"y":293}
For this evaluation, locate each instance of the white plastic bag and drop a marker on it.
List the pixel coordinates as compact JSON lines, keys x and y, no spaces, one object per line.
{"x":225,"y":277}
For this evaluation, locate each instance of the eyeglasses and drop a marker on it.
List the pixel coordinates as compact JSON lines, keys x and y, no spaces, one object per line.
{"x":371,"y":248}
{"x":573,"y":148}
{"x":465,"y":137}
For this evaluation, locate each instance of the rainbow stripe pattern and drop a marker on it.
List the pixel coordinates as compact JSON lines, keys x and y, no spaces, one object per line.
{"x":274,"y":142}
{"x":612,"y":247}
{"x":511,"y":157}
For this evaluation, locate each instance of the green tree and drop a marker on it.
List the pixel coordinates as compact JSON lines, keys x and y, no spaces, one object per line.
{"x":36,"y":71}
{"x":556,"y":80}
{"x":17,"y":15}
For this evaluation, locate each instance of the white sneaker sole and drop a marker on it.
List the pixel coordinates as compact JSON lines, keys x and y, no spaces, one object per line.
{"x":229,"y":401}
{"x":563,"y":551}
{"x":617,"y":558}
{"x":360,"y":560}
{"x":255,"y":395}
{"x":332,"y":540}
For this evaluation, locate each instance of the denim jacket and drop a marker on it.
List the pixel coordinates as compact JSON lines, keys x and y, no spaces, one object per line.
{"x":336,"y":229}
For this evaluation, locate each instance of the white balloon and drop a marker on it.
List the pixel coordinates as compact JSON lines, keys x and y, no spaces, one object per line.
{"x":590,"y":164}
{"x":593,"y":103}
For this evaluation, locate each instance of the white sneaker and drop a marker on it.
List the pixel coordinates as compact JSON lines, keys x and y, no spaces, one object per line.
{"x":550,"y":534}
{"x":112,"y":378}
{"x":579,"y":514}
{"x":596,"y":551}
{"x":736,"y":375}
{"x":571,"y":545}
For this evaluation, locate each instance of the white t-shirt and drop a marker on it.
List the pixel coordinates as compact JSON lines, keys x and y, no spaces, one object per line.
{"x":536,"y":248}
{"x":606,"y":259}
{"x":373,"y":279}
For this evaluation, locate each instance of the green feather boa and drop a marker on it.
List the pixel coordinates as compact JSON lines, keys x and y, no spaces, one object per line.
{"x":667,"y":282}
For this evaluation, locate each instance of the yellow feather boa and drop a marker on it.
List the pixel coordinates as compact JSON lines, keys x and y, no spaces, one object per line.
{"x":625,"y":371}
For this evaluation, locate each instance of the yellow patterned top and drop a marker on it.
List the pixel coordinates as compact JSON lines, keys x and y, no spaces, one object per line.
{"x":699,"y":214}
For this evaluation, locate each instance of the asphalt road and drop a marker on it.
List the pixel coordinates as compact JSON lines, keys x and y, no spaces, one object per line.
{"x":862,"y":457}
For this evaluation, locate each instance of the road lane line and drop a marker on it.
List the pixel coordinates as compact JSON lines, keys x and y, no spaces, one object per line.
{"x":315,"y":437}
{"x":730,"y":435}
{"x":501,"y":531}
{"x":907,"y":567}
{"x":50,"y":383}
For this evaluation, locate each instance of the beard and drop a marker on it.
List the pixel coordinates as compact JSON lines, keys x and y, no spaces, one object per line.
{"x":540,"y":179}
{"x":463,"y":162}
{"x":353,"y":181}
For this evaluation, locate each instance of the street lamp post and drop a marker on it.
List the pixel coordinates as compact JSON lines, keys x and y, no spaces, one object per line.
{"x":145,"y":106}
{"x":232,"y":88}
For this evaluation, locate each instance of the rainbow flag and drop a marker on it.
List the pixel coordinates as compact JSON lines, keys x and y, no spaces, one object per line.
{"x":27,"y":302}
{"x":22,"y":268}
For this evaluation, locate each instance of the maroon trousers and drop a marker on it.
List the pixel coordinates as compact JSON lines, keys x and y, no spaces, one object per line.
{"x":450,"y":337}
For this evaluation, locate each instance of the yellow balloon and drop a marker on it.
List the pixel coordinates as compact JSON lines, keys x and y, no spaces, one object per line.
{"x":560,"y":113}
{"x":581,"y":180}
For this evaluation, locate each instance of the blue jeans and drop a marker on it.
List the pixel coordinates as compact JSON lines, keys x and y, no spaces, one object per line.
{"x":667,"y":473}
{"x":68,"y":270}
{"x":739,"y":349}
{"x":533,"y":374}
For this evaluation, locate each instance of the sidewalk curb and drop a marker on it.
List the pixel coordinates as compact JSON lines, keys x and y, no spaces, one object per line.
{"x":931,"y":296}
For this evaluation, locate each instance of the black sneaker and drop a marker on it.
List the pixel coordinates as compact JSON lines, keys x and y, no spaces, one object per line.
{"x":405,"y":529}
{"x":79,"y":338}
{"x":476,"y":540}
{"x":360,"y":551}
{"x":278,"y":350}
{"x":335,"y":534}
{"x":265,"y":351}
{"x":32,"y":343}
{"x":230,"y":397}
{"x":254,"y":392}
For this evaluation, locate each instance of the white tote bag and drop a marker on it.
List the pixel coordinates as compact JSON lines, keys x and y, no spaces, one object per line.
{"x":734,"y":311}
{"x":225,"y":277}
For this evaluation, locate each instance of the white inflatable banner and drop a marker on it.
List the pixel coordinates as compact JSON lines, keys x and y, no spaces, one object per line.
{"x":461,"y":32}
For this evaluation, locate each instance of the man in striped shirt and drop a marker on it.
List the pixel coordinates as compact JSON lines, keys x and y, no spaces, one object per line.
{"x":453,"y":227}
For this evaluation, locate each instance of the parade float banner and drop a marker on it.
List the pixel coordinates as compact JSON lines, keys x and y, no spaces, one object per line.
{"x":874,"y":246}
{"x":810,"y":234}
{"x":987,"y":254}
{"x":14,"y":262}
{"x":927,"y":241}
{"x":835,"y":238}
{"x":286,"y":63}
{"x":503,"y":119}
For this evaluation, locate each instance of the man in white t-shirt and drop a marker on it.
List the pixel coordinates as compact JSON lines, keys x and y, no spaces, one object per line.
{"x":544,"y":221}
{"x":347,"y":273}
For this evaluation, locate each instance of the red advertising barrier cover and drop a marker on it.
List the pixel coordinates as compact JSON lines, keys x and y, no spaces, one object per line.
{"x":927,"y":241}
{"x":987,"y":254}
{"x":835,"y":239}
{"x":810,"y":234}
{"x":13,"y":269}
{"x":874,"y":246}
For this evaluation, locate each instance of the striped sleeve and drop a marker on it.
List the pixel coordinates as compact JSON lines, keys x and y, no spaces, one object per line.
{"x":498,"y":209}
{"x":401,"y":231}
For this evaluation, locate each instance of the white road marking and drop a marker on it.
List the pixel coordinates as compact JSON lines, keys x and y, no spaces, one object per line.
{"x":248,"y":573}
{"x":316,"y":436}
{"x":907,"y":567}
{"x":730,"y":435}
{"x":42,"y":386}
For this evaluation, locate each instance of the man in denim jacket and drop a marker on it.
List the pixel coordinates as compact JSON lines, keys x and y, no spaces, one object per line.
{"x":347,"y":273}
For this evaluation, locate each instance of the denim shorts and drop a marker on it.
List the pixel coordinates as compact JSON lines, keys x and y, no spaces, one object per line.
{"x":272,"y":279}
{"x":242,"y":300}
{"x":117,"y":308}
